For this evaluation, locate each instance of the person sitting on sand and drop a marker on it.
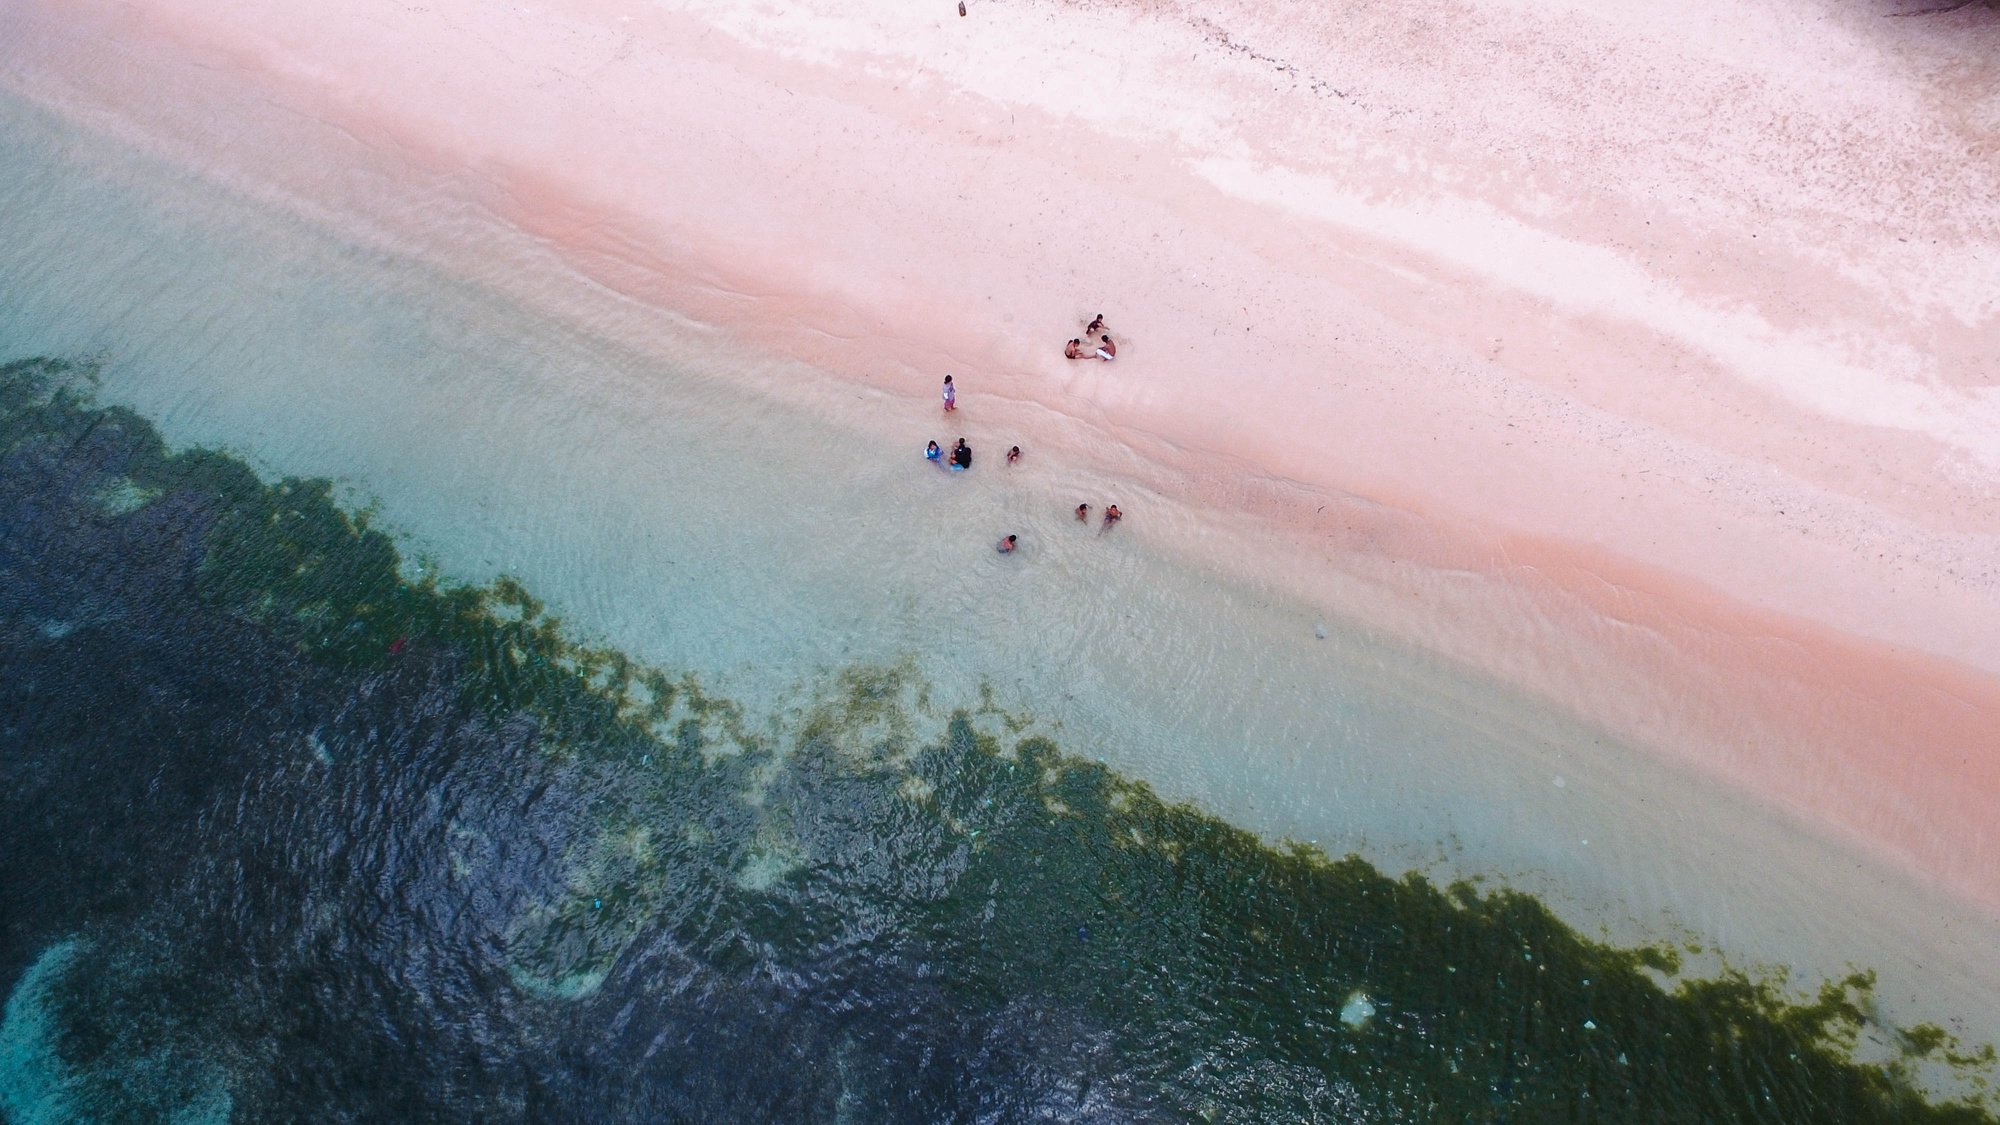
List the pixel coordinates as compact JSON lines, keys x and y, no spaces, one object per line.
{"x":1107,"y":351}
{"x":1083,"y":513}
{"x":1006,"y":546}
{"x":1013,"y":454}
{"x":961,"y":456}
{"x":1112,"y":515}
{"x":1096,"y":325}
{"x":933,"y":454}
{"x":1074,"y":350}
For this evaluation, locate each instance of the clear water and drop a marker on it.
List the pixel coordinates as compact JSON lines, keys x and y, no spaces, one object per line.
{"x":256,"y":855}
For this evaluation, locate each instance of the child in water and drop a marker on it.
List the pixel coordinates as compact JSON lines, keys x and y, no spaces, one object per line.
{"x":1006,"y":546}
{"x":1013,"y":454}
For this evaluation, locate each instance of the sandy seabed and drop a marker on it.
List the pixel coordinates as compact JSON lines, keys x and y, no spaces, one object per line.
{"x":1642,"y":359}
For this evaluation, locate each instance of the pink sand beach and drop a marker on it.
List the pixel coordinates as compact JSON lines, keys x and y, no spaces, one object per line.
{"x":1670,"y":329}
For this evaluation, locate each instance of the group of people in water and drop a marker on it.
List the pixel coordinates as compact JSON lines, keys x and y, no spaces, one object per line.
{"x":960,"y":457}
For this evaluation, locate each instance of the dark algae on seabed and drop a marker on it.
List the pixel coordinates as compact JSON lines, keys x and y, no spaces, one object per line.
{"x":290,"y":833}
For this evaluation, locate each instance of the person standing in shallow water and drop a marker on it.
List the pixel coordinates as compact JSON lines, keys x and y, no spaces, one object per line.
{"x":950,"y":396}
{"x":1112,"y":515}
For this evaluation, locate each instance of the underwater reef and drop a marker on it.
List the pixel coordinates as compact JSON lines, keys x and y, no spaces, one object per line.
{"x":294,"y":829}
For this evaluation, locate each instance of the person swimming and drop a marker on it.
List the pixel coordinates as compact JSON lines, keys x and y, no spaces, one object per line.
{"x":1083,"y":513}
{"x":961,"y":456}
{"x":1006,"y":546}
{"x":1112,"y":515}
{"x":933,"y":454}
{"x":1013,"y":454}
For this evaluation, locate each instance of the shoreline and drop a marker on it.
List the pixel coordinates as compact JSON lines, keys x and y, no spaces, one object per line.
{"x":1743,"y":659}
{"x":997,"y":871}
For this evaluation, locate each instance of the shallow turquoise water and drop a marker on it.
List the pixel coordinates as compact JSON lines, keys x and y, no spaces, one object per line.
{"x":292,"y":835}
